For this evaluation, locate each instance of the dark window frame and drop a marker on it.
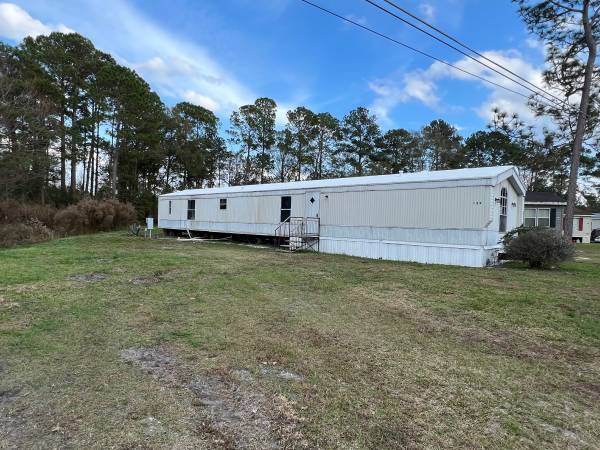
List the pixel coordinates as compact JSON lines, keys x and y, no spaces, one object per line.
{"x":286,"y":208}
{"x":503,"y":210}
{"x":191,"y":210}
{"x":222,"y":203}
{"x":170,"y":207}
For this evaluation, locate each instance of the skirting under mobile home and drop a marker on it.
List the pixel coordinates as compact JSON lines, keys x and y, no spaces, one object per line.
{"x":445,"y":217}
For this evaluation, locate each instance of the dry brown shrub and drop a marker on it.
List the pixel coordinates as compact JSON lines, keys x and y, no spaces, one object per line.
{"x":12,"y":211}
{"x":29,"y":232}
{"x":90,"y":216}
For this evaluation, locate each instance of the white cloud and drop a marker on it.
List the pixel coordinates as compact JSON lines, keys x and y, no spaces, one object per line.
{"x":16,"y":23}
{"x":174,"y":67}
{"x":422,"y":85}
{"x":361,"y":20}
{"x":201,"y":100}
{"x":390,"y":93}
{"x":534,"y":43}
{"x":428,"y":10}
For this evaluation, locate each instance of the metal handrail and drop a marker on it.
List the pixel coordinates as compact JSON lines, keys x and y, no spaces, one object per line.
{"x":301,"y":227}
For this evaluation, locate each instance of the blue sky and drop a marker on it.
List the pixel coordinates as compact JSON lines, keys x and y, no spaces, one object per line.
{"x":224,"y":53}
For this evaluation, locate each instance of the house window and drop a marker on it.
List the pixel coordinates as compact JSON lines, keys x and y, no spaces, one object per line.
{"x":503,"y":209}
{"x":169,"y":207}
{"x":286,"y":208}
{"x":543,"y":218}
{"x":580,"y":224}
{"x":537,"y":217}
{"x":191,"y":211}
{"x":530,"y":217}
{"x":223,"y":203}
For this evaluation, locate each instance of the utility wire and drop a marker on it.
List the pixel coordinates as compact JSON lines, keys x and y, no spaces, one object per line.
{"x":387,"y":11}
{"x":462,"y":44}
{"x":345,"y":19}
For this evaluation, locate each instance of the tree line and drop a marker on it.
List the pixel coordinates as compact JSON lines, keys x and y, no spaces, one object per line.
{"x":75,"y":124}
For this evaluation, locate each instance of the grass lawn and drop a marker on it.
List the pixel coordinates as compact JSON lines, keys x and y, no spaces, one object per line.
{"x":109,"y":341}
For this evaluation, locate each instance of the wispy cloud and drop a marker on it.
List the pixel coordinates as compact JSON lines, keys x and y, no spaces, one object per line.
{"x":423,"y":85}
{"x":175,"y":67}
{"x":16,"y":23}
{"x":428,"y":11}
{"x":361,"y":20}
{"x":392,"y":91}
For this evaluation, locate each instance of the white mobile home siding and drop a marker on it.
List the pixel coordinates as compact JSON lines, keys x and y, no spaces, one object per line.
{"x":582,"y":228}
{"x":440,"y":221}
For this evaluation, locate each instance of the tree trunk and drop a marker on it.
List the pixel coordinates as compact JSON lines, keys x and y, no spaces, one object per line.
{"x":96,"y":168}
{"x":74,"y":150}
{"x":581,"y":120}
{"x":63,"y":156}
{"x":115,"y":164}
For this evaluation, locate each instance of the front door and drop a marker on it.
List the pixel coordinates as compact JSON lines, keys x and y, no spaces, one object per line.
{"x":311,"y":208}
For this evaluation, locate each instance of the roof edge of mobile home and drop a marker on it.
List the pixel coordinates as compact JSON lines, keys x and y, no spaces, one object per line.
{"x":494,"y":174}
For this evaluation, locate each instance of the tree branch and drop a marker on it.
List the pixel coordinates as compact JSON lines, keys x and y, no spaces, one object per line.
{"x":568,"y":8}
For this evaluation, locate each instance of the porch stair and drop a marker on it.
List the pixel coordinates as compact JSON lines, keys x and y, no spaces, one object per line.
{"x":298,"y":233}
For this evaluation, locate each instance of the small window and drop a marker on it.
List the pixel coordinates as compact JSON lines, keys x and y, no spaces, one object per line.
{"x":580,"y":224}
{"x":286,"y":208}
{"x":169,"y":207}
{"x":191,"y":211}
{"x":503,"y":209}
{"x":543,"y":218}
{"x":223,"y":203}
{"x":530,"y":217}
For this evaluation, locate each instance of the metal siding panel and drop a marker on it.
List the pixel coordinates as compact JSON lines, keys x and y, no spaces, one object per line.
{"x":459,"y":207}
{"x":427,"y":254}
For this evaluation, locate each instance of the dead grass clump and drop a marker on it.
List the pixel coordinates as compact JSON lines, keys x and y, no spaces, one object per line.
{"x":88,"y":277}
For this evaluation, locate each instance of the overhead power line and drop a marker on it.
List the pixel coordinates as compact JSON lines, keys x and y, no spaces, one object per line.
{"x":462,"y":44}
{"x":539,"y":91}
{"x":402,"y":44}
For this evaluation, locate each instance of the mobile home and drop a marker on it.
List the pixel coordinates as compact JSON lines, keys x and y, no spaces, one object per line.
{"x":443,"y":217}
{"x":582,"y":227}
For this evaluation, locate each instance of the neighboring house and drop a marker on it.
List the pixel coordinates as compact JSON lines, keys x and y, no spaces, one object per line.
{"x":547,"y":209}
{"x":595,"y":221}
{"x":544,"y":209}
{"x":582,"y":226}
{"x":445,"y":217}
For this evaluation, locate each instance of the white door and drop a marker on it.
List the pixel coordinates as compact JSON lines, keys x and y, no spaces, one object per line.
{"x":311,"y":208}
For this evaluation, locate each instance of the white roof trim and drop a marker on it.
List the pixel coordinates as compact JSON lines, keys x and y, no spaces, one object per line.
{"x":546,"y":203}
{"x":494,"y":174}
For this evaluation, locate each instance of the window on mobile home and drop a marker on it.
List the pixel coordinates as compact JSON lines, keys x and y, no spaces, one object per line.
{"x":286,"y":208}
{"x":191,"y":211}
{"x":503,"y":209}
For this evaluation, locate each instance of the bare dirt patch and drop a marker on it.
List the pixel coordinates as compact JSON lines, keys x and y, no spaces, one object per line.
{"x":154,"y":362}
{"x":12,"y":423}
{"x":9,"y":395}
{"x":279,"y":372}
{"x":238,"y":414}
{"x":90,"y":277}
{"x":156,"y":277}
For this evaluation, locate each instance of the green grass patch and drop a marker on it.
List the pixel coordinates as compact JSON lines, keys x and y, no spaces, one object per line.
{"x":391,"y":354}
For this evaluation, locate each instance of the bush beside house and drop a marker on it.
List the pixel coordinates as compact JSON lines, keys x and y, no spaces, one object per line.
{"x":538,"y":247}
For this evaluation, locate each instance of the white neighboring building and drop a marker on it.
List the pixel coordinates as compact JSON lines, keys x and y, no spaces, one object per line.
{"x":444,"y":217}
{"x":582,"y":227}
{"x":595,"y":221}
